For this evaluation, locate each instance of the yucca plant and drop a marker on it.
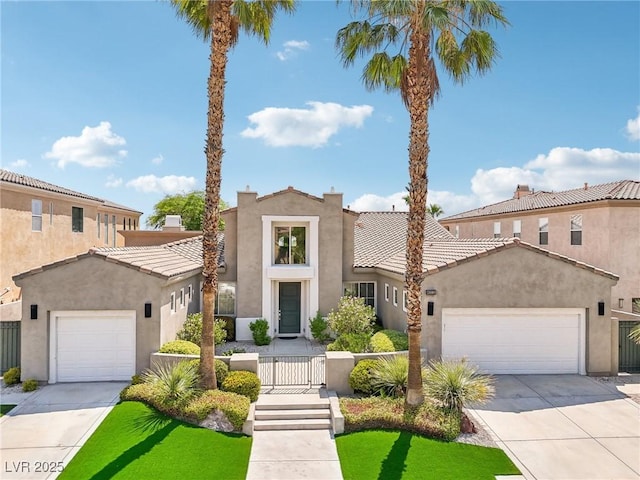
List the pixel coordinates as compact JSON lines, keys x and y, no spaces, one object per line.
{"x":456,"y":383}
{"x":175,"y":383}
{"x":389,"y":376}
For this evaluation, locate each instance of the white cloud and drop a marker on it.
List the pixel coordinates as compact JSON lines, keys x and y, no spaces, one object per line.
{"x":169,"y":185}
{"x":450,"y":202}
{"x":633,"y":127}
{"x":312,"y":127}
{"x":96,"y":147}
{"x":113,"y":182}
{"x":19,"y":164}
{"x":157,"y":160}
{"x":292,"y":48}
{"x":497,"y":184}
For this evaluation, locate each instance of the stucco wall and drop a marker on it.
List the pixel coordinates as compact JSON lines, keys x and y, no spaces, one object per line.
{"x":172,"y":321}
{"x":88,"y":284}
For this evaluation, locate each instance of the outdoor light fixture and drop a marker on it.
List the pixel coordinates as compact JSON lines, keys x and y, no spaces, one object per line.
{"x":34,"y":312}
{"x":430,"y":291}
{"x":147,"y":310}
{"x":601,"y":309}
{"x":430,"y":309}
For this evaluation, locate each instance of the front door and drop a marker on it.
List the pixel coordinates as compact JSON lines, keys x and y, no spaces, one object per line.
{"x":289,"y":303}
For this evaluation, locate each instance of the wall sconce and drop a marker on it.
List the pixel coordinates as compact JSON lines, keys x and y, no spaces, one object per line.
{"x":621,"y":303}
{"x":34,"y":312}
{"x":147,"y":310}
{"x":430,"y":291}
{"x":601,"y":309}
{"x":430,"y":309}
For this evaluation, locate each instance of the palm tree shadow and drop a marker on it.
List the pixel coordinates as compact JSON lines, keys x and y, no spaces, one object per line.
{"x":154,"y":421}
{"x":395,"y":464}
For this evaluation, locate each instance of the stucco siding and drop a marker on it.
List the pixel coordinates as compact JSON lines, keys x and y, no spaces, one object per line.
{"x":172,"y":321}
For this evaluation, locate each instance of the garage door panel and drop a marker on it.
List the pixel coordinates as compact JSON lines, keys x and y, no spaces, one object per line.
{"x":94,"y":346}
{"x":514,"y":340}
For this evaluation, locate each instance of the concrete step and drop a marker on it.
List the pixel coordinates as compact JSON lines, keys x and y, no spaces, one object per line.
{"x":309,"y":424}
{"x":291,"y":402}
{"x":292,"y":414}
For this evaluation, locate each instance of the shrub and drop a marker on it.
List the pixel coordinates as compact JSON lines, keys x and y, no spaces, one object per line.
{"x":455,"y":383}
{"x":30,"y":385}
{"x":221,"y":369}
{"x":12,"y":376}
{"x":183,"y":347}
{"x":230,"y":327}
{"x":174,"y":383}
{"x":360,"y":376}
{"x":242,"y":382}
{"x":259,"y":330}
{"x":192,"y":330}
{"x":352,"y":316}
{"x":234,"y":406}
{"x":231,"y":351}
{"x":318,"y":326}
{"x":390,"y":376}
{"x":351,"y":342}
{"x":389,"y":341}
{"x":137,"y":379}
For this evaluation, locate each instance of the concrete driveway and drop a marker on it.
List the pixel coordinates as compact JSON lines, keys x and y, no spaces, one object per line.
{"x":47,"y":428}
{"x":564,"y":427}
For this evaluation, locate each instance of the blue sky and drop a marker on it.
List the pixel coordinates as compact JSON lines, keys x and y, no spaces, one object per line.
{"x":109,"y":98}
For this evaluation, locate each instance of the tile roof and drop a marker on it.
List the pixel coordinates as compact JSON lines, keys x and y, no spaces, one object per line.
{"x":24,"y":180}
{"x":623,"y":190}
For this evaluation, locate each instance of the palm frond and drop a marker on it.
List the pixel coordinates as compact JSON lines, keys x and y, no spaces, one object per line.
{"x":384,"y":71}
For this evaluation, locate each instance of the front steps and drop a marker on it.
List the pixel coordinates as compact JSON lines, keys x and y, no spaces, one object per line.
{"x":292,"y":412}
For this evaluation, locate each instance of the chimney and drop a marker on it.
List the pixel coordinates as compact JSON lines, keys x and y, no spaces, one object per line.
{"x":173,"y":223}
{"x":522,"y":191}
{"x":586,"y":185}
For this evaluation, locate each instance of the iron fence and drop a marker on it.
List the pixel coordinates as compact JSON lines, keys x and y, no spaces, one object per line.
{"x":281,"y":370}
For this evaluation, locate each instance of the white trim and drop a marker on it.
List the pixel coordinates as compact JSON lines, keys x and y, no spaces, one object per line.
{"x":395,"y":296}
{"x":386,"y":292}
{"x":172,"y":302}
{"x":53,"y":329}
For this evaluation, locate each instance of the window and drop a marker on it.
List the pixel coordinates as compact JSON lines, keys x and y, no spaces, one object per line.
{"x":543,"y":231}
{"x":290,"y":245}
{"x":172,"y":301}
{"x":98,"y":221}
{"x":457,"y":231}
{"x":134,"y":224}
{"x":225,"y":299}
{"x":576,"y":229}
{"x":366,"y":290}
{"x":36,"y":215}
{"x":113,"y":227}
{"x":405,"y":300}
{"x":129,"y":224}
{"x":496,"y":229}
{"x":190,"y":293}
{"x":182,"y":298}
{"x":517,"y":228}
{"x":124,"y":223}
{"x":386,"y":292}
{"x":77,"y":219}
{"x":106,"y":228}
{"x":50,"y":213}
{"x":395,"y":296}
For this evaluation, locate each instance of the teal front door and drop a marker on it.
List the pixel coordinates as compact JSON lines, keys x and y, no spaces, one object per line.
{"x":289,"y":302}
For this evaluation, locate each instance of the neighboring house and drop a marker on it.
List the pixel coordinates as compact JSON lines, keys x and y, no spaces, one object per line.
{"x":41,"y":223}
{"x":508,"y":306}
{"x":596,"y":224}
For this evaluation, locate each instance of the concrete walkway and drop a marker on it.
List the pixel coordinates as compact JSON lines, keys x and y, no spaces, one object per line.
{"x":565,"y":427}
{"x":41,"y":435}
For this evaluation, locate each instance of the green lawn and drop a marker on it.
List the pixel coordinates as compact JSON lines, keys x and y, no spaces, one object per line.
{"x":5,"y":409}
{"x":394,"y":455}
{"x":136,"y":442}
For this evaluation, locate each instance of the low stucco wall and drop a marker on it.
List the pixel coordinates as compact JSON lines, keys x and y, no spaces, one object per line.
{"x":11,"y":312}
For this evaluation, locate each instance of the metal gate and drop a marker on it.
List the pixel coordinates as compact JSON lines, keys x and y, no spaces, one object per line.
{"x":9,"y":345}
{"x":629,"y":352}
{"x":280,"y":370}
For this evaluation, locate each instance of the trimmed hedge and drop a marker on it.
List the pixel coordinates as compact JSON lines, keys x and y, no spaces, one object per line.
{"x":182,"y":347}
{"x":30,"y":385}
{"x":234,"y":406}
{"x":360,"y":376}
{"x":221,"y":369}
{"x":389,"y":341}
{"x":242,"y":382}
{"x":12,"y":376}
{"x":350,"y":342}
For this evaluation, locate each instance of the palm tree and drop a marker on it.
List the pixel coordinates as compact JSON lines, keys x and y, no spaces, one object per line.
{"x":453,"y":28}
{"x":220,"y":21}
{"x":435,"y":210}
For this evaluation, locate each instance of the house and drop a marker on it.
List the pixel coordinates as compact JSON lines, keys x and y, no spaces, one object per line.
{"x":595,"y":224}
{"x":42,"y":222}
{"x":507,"y":305}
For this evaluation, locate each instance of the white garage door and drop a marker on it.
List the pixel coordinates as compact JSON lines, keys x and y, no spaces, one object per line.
{"x":92,"y":346}
{"x":510,"y":341}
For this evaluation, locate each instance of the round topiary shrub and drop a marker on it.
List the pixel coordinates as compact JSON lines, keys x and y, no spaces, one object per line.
{"x":360,"y":376}
{"x":221,"y":369}
{"x":389,"y":341}
{"x":29,"y":385}
{"x":183,"y":347}
{"x":12,"y":376}
{"x":242,"y":382}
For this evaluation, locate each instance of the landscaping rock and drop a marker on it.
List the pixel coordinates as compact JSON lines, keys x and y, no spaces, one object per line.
{"x":217,"y":421}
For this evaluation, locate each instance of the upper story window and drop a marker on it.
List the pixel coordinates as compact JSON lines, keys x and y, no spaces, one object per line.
{"x":517,"y":228}
{"x":456,"y":231}
{"x":405,"y":300}
{"x":106,"y":228}
{"x":36,"y":215}
{"x":77,"y":219}
{"x":395,"y":296}
{"x":290,"y":245}
{"x":366,"y":290}
{"x":225,"y":299}
{"x":50,"y":213}
{"x":98,"y":221}
{"x":576,"y":229}
{"x":172,"y":301}
{"x":543,"y":231}
{"x":386,"y":292}
{"x":496,"y":229}
{"x":113,"y":227}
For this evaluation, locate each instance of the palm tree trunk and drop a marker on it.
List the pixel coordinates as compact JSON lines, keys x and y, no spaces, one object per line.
{"x":418,"y":101}
{"x":220,"y":44}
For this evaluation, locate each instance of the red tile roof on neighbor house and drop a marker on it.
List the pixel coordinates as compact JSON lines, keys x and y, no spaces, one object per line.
{"x":623,"y":190}
{"x":26,"y":181}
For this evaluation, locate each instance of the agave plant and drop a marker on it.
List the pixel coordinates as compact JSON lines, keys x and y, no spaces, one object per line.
{"x":390,"y":375}
{"x":174,"y":383}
